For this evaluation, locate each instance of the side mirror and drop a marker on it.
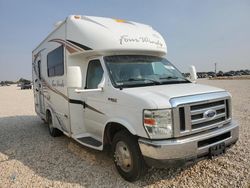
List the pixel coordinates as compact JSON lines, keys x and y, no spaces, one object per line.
{"x":193,"y":75}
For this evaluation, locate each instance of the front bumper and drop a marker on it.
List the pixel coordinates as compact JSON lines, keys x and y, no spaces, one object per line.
{"x":173,"y":152}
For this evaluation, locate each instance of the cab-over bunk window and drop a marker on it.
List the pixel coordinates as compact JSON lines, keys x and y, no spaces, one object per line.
{"x":55,"y":62}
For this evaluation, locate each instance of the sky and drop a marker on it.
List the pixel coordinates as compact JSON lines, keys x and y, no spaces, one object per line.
{"x":199,"y":33}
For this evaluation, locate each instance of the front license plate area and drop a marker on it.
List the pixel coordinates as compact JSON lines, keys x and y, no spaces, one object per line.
{"x":217,"y":150}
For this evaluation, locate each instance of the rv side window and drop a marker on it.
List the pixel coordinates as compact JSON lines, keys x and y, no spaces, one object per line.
{"x":94,"y":74}
{"x":55,"y":62}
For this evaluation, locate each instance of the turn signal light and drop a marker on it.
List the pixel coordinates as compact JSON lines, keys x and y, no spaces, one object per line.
{"x":149,"y":121}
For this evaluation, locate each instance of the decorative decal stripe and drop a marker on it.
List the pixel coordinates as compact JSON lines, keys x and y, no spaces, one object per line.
{"x":80,"y":45}
{"x":93,"y":109}
{"x":47,"y":86}
{"x":55,"y":90}
{"x":73,"y":101}
{"x":68,"y":47}
{"x":63,"y":127}
{"x":71,"y":46}
{"x":76,"y":45}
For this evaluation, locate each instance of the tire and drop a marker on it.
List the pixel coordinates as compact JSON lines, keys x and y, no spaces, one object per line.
{"x":128,"y":159}
{"x":54,"y":132}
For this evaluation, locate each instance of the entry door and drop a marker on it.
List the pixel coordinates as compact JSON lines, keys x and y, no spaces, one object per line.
{"x":40,"y":88}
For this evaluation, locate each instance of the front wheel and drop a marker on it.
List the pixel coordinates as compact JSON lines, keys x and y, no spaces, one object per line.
{"x":127,"y":156}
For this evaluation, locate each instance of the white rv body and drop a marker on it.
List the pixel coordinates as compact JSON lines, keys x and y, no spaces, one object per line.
{"x":88,"y":114}
{"x":100,"y":36}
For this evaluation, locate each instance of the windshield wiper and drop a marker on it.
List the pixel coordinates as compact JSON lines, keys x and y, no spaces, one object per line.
{"x":144,"y":79}
{"x":168,"y":77}
{"x":183,"y":80}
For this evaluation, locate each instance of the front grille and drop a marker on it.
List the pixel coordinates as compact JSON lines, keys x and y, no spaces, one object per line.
{"x":207,"y":105}
{"x":194,"y":117}
{"x":198,"y":117}
{"x":211,"y":122}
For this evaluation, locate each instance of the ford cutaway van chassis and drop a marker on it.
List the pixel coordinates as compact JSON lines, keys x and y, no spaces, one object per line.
{"x":106,"y":81}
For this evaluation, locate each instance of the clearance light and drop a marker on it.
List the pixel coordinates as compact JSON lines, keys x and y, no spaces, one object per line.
{"x":77,"y":17}
{"x":120,"y":21}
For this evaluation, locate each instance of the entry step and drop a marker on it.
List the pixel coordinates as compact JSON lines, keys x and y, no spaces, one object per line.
{"x":90,"y":141}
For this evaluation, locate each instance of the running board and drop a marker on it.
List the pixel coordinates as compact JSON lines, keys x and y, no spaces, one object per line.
{"x":89,"y":141}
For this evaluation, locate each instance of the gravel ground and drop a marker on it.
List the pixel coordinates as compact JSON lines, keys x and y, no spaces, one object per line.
{"x":29,"y":157}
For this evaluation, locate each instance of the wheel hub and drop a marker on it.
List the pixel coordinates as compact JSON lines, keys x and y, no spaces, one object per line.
{"x":123,"y":157}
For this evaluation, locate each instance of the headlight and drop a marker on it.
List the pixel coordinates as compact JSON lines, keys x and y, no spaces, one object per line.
{"x":158,"y":123}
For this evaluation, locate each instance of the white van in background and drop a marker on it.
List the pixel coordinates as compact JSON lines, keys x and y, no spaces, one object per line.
{"x":107,"y":81}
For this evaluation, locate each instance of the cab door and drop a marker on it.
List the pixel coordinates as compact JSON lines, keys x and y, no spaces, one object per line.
{"x":94,"y":114}
{"x":87,"y":107}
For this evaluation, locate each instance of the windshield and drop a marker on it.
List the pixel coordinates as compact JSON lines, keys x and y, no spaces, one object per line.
{"x":141,"y":70}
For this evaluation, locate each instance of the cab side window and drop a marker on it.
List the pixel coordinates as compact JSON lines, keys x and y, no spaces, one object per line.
{"x":94,"y":74}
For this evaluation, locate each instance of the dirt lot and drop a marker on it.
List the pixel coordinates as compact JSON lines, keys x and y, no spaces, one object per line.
{"x":29,"y":157}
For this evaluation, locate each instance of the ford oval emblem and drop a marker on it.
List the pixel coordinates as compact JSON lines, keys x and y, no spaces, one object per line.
{"x":209,"y":114}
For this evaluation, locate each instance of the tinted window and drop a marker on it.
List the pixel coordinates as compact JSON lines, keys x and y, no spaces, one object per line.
{"x":94,"y":74}
{"x":55,"y":62}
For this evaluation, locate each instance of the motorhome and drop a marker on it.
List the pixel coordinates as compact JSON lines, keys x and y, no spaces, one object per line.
{"x":104,"y":81}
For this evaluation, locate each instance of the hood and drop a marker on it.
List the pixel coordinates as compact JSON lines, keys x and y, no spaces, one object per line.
{"x":159,"y":96}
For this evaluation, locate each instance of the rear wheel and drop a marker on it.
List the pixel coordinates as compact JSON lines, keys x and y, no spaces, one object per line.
{"x":127,"y":156}
{"x":52,"y":131}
